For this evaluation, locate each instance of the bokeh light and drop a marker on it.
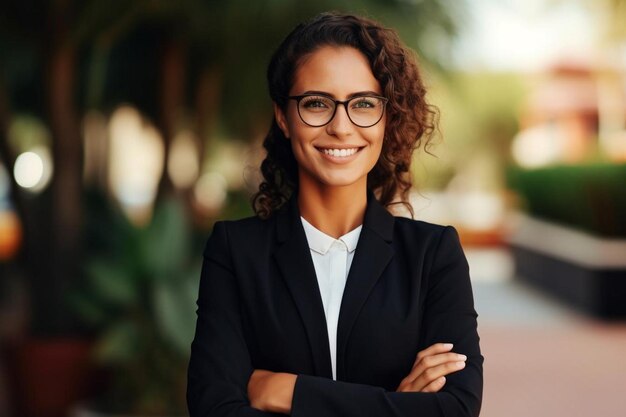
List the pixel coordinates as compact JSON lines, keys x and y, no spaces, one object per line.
{"x":28,"y":169}
{"x":230,"y":157}
{"x":10,"y":234}
{"x":537,"y":146}
{"x":136,"y":157}
{"x":183,"y":164}
{"x":33,"y":169}
{"x":210,"y":191}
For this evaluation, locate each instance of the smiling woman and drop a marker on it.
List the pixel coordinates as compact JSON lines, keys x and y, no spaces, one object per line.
{"x":324,"y":304}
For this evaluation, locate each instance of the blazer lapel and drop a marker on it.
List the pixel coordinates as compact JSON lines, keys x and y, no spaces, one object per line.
{"x":372,"y":255}
{"x":295,"y":263}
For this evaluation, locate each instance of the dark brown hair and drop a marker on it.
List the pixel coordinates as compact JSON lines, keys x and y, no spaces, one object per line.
{"x":410,"y":119}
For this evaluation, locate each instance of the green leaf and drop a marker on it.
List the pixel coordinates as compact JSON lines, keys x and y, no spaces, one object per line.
{"x":175,"y":310}
{"x":87,"y":308}
{"x":114,"y":283}
{"x":165,"y":242}
{"x":118,"y":344}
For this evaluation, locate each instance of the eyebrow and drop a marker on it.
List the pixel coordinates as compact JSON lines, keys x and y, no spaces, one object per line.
{"x":357,"y":94}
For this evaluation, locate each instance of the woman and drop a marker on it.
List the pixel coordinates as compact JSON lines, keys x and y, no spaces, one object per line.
{"x":324,"y":304}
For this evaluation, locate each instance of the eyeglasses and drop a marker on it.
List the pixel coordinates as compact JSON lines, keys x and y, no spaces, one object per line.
{"x":318,"y":110}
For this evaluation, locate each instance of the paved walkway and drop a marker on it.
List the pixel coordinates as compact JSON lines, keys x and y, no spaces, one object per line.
{"x":541,"y":358}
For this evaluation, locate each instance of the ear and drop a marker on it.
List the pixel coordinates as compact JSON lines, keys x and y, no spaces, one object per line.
{"x":281,"y":119}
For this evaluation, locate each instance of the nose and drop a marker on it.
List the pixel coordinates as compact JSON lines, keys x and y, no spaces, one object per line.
{"x":340,"y":123}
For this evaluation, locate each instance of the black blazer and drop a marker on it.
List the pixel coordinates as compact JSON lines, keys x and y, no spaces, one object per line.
{"x":259,"y":307}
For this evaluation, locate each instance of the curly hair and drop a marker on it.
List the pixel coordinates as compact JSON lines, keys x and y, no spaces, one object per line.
{"x":411,"y":121}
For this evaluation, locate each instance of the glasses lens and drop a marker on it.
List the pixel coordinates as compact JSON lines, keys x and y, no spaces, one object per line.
{"x":366,"y":110}
{"x":316,"y":110}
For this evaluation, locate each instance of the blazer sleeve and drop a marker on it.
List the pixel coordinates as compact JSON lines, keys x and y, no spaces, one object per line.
{"x":219,"y":366}
{"x":449,"y":316}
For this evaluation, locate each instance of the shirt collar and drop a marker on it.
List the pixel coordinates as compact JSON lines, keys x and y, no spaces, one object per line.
{"x":320,"y":242}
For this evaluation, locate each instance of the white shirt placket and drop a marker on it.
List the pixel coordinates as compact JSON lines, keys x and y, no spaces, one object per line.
{"x":338,"y":265}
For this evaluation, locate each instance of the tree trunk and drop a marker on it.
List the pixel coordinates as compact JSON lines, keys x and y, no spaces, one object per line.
{"x":62,"y":251}
{"x":208,"y":93}
{"x":173,"y":80}
{"x":66,"y":189}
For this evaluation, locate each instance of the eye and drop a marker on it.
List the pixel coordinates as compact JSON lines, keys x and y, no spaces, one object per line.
{"x":365,"y":103}
{"x":316,"y":103}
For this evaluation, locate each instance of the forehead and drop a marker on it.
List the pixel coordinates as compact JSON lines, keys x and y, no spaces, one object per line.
{"x":339,"y":71}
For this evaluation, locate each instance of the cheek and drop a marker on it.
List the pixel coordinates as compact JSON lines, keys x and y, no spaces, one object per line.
{"x":378,"y":139}
{"x":300,"y":143}
{"x":377,"y":146}
{"x":289,"y":125}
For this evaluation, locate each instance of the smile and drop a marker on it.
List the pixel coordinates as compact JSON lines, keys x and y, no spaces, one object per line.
{"x":339,"y":153}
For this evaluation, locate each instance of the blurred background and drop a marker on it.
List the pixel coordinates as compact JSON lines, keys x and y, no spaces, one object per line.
{"x":127,"y":128}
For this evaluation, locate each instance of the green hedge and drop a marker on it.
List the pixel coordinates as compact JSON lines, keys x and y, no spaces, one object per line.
{"x":588,"y":197}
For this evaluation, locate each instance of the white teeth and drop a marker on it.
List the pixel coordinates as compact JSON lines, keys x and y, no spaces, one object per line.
{"x":340,"y":153}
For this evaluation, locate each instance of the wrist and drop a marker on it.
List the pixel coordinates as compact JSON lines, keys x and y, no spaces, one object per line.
{"x":282,"y":387}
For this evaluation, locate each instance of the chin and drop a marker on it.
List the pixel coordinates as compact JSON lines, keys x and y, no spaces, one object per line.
{"x":340,"y":182}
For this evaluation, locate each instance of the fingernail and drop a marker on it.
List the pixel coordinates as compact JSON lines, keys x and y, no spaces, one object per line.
{"x":441,"y":380}
{"x":462,"y":357}
{"x":448,"y":345}
{"x":460,"y":364}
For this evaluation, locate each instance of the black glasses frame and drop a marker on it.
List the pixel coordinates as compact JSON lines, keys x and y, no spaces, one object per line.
{"x":337,"y":103}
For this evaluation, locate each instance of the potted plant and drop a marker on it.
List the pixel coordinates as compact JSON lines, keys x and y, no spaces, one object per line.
{"x":140,"y":296}
{"x":572,"y":241}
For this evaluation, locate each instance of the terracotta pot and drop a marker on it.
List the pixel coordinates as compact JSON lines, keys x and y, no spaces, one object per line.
{"x":48,"y":376}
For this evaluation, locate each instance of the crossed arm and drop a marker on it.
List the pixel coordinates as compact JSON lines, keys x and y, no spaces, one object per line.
{"x":273,"y":391}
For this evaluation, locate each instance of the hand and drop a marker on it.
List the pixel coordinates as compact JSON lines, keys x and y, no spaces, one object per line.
{"x":271,"y":391}
{"x":430,"y":368}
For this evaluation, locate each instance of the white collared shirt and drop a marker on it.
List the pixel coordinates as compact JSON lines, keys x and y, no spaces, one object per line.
{"x":332,"y":259}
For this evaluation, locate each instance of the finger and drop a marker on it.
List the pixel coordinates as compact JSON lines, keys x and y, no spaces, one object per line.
{"x":431,"y":374}
{"x":435,"y":386}
{"x":433,"y":361}
{"x":433,"y":350}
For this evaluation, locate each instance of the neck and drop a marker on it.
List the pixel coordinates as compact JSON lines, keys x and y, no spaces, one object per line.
{"x":335,"y":210}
